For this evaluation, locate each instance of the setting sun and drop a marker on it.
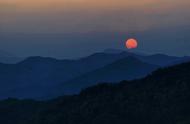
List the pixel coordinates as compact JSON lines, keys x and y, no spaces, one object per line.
{"x":131,"y":43}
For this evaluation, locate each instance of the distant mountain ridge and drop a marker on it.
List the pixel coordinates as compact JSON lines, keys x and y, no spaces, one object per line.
{"x":128,"y":68}
{"x":34,"y":77}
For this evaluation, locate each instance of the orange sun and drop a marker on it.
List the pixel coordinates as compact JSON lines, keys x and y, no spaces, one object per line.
{"x":131,"y":43}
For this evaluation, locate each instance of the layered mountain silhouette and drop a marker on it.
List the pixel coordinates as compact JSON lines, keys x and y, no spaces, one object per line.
{"x":162,"y":97}
{"x":35,"y":77}
{"x":128,"y":68}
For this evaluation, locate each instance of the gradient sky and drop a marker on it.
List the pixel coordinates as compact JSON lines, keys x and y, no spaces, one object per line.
{"x":50,"y":26}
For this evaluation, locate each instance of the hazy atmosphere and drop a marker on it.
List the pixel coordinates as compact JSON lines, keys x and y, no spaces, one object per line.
{"x":94,"y":61}
{"x":161,"y":26}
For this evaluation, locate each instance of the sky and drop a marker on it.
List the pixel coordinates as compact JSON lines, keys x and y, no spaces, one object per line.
{"x":72,"y":28}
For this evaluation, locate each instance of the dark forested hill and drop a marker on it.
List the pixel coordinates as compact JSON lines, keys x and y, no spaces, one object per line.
{"x":162,"y":97}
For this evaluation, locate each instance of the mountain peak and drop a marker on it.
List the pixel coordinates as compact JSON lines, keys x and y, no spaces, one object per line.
{"x":130,"y":60}
{"x":110,"y":50}
{"x":37,"y":59}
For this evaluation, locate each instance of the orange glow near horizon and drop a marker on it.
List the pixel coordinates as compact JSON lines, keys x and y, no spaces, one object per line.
{"x":103,"y":4}
{"x":131,"y":43}
{"x":91,"y":16}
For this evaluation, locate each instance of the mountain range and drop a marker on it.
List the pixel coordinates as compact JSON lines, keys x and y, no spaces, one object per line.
{"x":41,"y":78}
{"x":128,"y":68}
{"x":162,"y":97}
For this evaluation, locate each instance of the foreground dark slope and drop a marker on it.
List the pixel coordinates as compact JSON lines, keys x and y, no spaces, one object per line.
{"x":162,"y":97}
